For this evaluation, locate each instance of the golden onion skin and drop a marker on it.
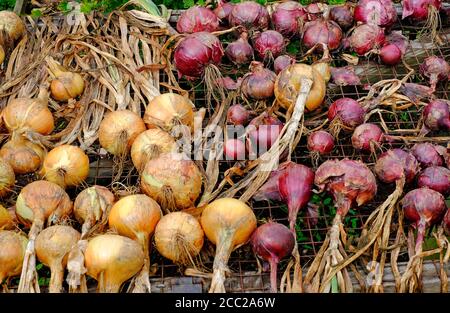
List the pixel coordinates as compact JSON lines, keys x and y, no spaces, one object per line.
{"x":67,"y":85}
{"x":7,"y":178}
{"x":92,"y":203}
{"x":23,"y":155}
{"x":12,"y":252}
{"x":12,"y":25}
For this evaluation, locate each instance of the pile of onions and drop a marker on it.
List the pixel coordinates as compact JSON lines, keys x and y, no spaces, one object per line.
{"x":66,"y":166}
{"x":423,"y":10}
{"x":7,"y":218}
{"x":394,"y":49}
{"x":436,"y":115}
{"x":223,"y":10}
{"x":423,"y":207}
{"x":259,"y":83}
{"x":11,"y":254}
{"x":345,"y":113}
{"x":366,"y":38}
{"x":173,"y":180}
{"x":65,"y":84}
{"x":179,"y":237}
{"x":149,"y":145}
{"x":435,"y":69}
{"x":377,"y":12}
{"x":240,"y":52}
{"x":118,"y":130}
{"x":136,"y":217}
{"x":281,"y":62}
{"x":263,"y":131}
{"x":350,"y":182}
{"x":7,"y":177}
{"x":436,"y":178}
{"x":23,"y":155}
{"x":250,"y":15}
{"x":272,"y":242}
{"x":342,"y":15}
{"x":197,"y":19}
{"x":53,"y":245}
{"x":112,"y":260}
{"x":40,"y":202}
{"x":269,"y":44}
{"x":237,"y":115}
{"x":29,"y":114}
{"x":367,"y":137}
{"x":234,"y":149}
{"x":428,"y":154}
{"x":322,"y":31}
{"x":228,"y":223}
{"x":287,"y":19}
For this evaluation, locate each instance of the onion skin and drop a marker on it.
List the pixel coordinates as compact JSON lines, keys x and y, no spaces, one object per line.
{"x":67,"y":85}
{"x":250,"y":15}
{"x":7,"y":178}
{"x":23,"y":155}
{"x":179,"y":237}
{"x":427,"y":154}
{"x":2,"y":54}
{"x":7,"y":219}
{"x":288,"y":18}
{"x":322,"y":31}
{"x":52,"y":246}
{"x":197,"y":19}
{"x":393,"y":164}
{"x":272,"y":242}
{"x":366,"y":135}
{"x":344,"y":76}
{"x":281,"y":62}
{"x":435,"y":69}
{"x":149,"y":145}
{"x":436,"y":115}
{"x":269,"y":44}
{"x":347,"y":111}
{"x":240,"y":52}
{"x":366,"y":37}
{"x":264,"y":132}
{"x":11,"y":254}
{"x":195,"y":52}
{"x":234,"y":149}
{"x":112,"y":260}
{"x":173,"y":180}
{"x":118,"y":130}
{"x":320,"y":141}
{"x":378,"y":12}
{"x":446,"y":222}
{"x":390,"y":55}
{"x":342,"y":15}
{"x":12,"y":25}
{"x":436,"y":178}
{"x":237,"y":115}
{"x":259,"y":83}
{"x":66,"y":165}
{"x":270,"y":191}
{"x":418,"y":9}
{"x":223,"y":10}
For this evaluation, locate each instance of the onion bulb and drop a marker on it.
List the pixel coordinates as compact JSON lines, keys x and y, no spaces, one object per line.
{"x":23,"y":155}
{"x":66,"y":166}
{"x":223,"y":10}
{"x":27,"y":114}
{"x":7,"y":177}
{"x":169,"y":110}
{"x":11,"y":254}
{"x":228,"y":223}
{"x":179,"y":237}
{"x":366,"y":37}
{"x":436,"y":178}
{"x":436,"y":115}
{"x":112,"y":260}
{"x":118,"y":130}
{"x":7,"y":219}
{"x":322,"y":31}
{"x":378,"y":12}
{"x":65,"y":84}
{"x":173,"y":180}
{"x":149,"y":145}
{"x":288,"y":17}
{"x":435,"y":69}
{"x":53,"y":245}
{"x":342,"y":15}
{"x":281,"y":62}
{"x":258,"y":84}
{"x":240,"y":52}
{"x":12,"y":25}
{"x":197,"y":19}
{"x":250,"y":15}
{"x":269,"y":44}
{"x":237,"y":115}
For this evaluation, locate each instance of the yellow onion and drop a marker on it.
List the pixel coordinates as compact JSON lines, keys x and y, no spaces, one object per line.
{"x":179,"y":237}
{"x":66,"y":166}
{"x":324,"y":70}
{"x":12,"y":252}
{"x":149,"y":145}
{"x":168,"y":110}
{"x":289,"y":80}
{"x":118,"y":130}
{"x":7,"y":177}
{"x":228,"y":223}
{"x":7,"y":219}
{"x":12,"y":25}
{"x":112,"y":260}
{"x":65,"y":84}
{"x":29,"y":114}
{"x":23,"y":155}
{"x":173,"y":180}
{"x":53,"y":245}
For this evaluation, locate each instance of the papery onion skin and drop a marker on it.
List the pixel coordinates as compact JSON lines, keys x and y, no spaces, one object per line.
{"x":66,"y":165}
{"x":393,"y":164}
{"x":366,"y":37}
{"x":7,"y":177}
{"x":418,"y":9}
{"x":342,"y":15}
{"x":322,"y":32}
{"x":436,"y":178}
{"x":378,"y":12}
{"x":288,"y":18}
{"x":7,"y":219}
{"x":118,"y":130}
{"x":172,"y":175}
{"x":259,"y":83}
{"x":240,"y":52}
{"x":238,"y":115}
{"x":344,"y":76}
{"x":12,"y":25}
{"x":223,"y":10}
{"x":2,"y":54}
{"x":281,"y":62}
{"x":269,"y":44}
{"x":390,"y":54}
{"x":263,"y":131}
{"x":435,"y":69}
{"x":320,"y":141}
{"x":67,"y":85}
{"x":249,"y":14}
{"x":23,"y":155}
{"x":436,"y":115}
{"x":197,"y":19}
{"x":427,"y":154}
{"x":365,"y":135}
{"x":11,"y":254}
{"x":348,"y":111}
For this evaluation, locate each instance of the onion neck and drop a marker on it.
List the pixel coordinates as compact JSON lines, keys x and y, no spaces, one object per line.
{"x":56,"y":278}
{"x":224,"y":248}
{"x":107,"y":285}
{"x":421,"y":227}
{"x":273,"y":274}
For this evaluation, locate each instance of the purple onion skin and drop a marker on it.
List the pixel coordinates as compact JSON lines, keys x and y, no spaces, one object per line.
{"x":222,"y":11}
{"x":393,"y":164}
{"x":281,"y":62}
{"x":377,"y":12}
{"x":435,"y":69}
{"x":265,"y":132}
{"x":197,"y":19}
{"x":390,"y":54}
{"x":322,"y":31}
{"x":238,"y":115}
{"x":344,"y":76}
{"x":446,"y":222}
{"x":366,"y":37}
{"x":437,"y":115}
{"x":365,"y":134}
{"x":418,"y":9}
{"x":240,"y":52}
{"x":427,"y":154}
{"x":269,"y":43}
{"x":259,"y":83}
{"x":342,"y":15}
{"x":249,"y":14}
{"x":436,"y":178}
{"x":320,"y":141}
{"x":349,"y":111}
{"x":287,"y":18}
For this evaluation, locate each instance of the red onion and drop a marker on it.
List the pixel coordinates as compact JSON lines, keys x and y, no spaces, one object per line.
{"x":315,"y":10}
{"x":396,"y":38}
{"x":287,"y":18}
{"x":234,"y":149}
{"x":344,"y":76}
{"x":427,"y":154}
{"x":272,"y":242}
{"x":435,"y":69}
{"x":259,"y":83}
{"x":436,"y":178}
{"x":196,"y":52}
{"x":270,"y":191}
{"x":223,"y":10}
{"x":237,"y":115}
{"x":228,"y":83}
{"x":281,"y":62}
{"x":436,"y":115}
{"x":365,"y":136}
{"x":346,"y":111}
{"x":393,"y":164}
{"x":416,"y":92}
{"x":366,"y":37}
{"x":295,"y":186}
{"x":419,"y":9}
{"x":378,"y":12}
{"x":322,"y":31}
{"x":446,"y":222}
{"x":269,"y":44}
{"x":321,"y":142}
{"x":197,"y":19}
{"x":249,"y":14}
{"x":390,"y":54}
{"x":342,"y":15}
{"x":264,"y":132}
{"x":240,"y":52}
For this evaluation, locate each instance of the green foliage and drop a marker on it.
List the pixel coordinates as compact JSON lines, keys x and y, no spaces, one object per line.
{"x":333,"y":2}
{"x":7,"y":4}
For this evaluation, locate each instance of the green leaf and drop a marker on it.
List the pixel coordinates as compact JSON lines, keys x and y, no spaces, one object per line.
{"x":36,"y":13}
{"x":334,"y":285}
{"x":39,"y":266}
{"x":327,"y":201}
{"x":151,"y":7}
{"x":188,"y":3}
